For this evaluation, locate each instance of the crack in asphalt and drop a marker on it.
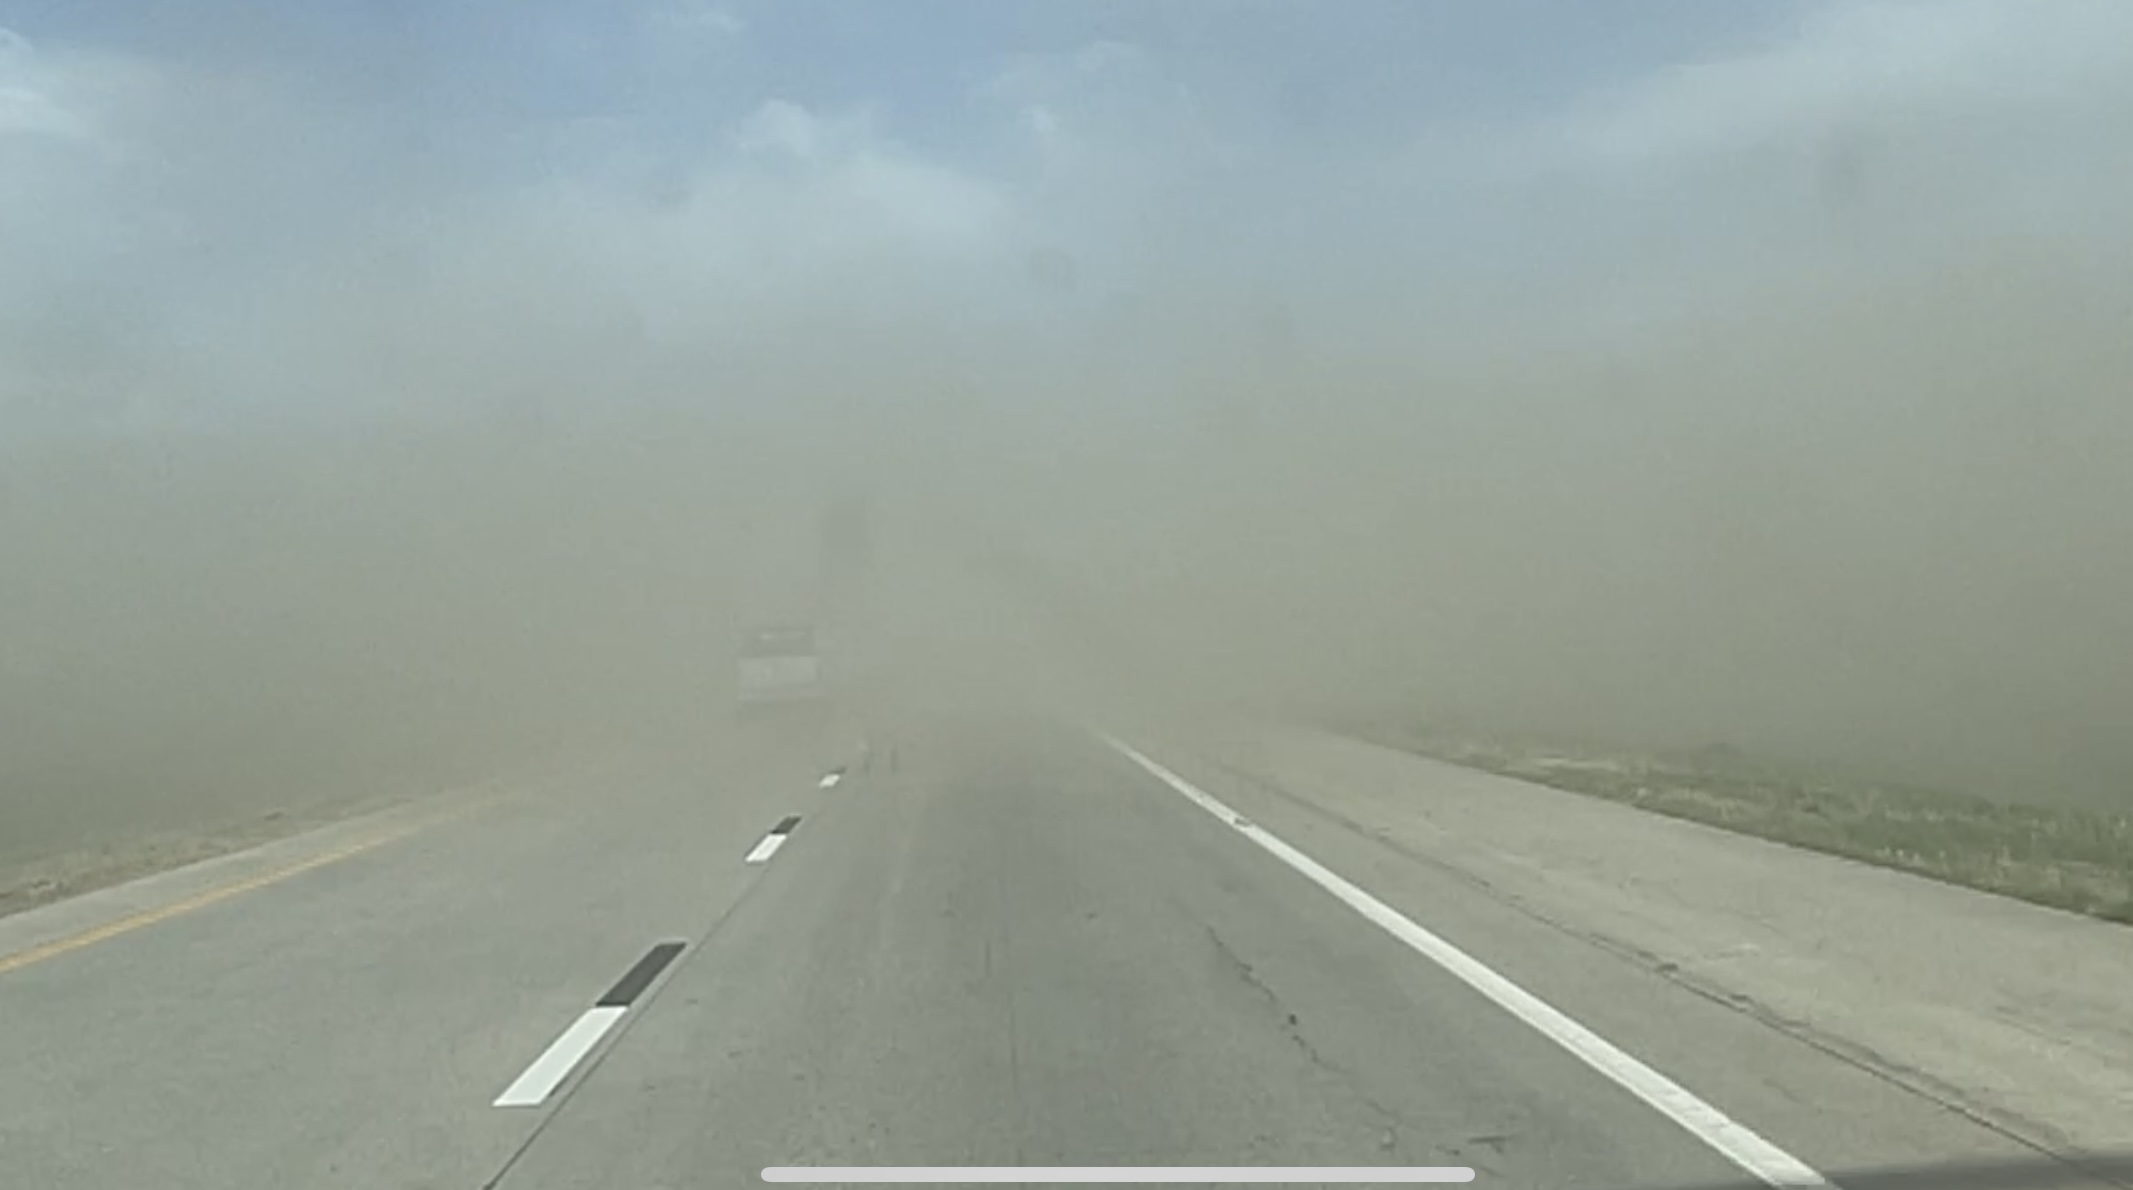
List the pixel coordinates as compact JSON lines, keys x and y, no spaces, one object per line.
{"x":1292,"y":1028}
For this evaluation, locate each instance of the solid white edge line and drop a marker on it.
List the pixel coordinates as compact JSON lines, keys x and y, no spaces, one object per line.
{"x":765,"y":849}
{"x":555,"y":1064}
{"x":1733,"y":1140}
{"x":1124,"y":1173}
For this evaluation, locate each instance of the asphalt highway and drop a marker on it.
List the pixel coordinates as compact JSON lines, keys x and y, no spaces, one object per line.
{"x":942,"y":941}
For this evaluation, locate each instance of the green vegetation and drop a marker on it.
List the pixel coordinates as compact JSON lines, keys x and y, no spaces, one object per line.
{"x":2066,"y":858}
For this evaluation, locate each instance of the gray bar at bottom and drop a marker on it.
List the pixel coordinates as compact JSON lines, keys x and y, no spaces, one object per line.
{"x":1362,"y":1174}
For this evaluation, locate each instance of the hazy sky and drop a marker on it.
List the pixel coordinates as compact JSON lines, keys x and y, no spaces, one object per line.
{"x":1712,"y":370}
{"x":241,"y":204}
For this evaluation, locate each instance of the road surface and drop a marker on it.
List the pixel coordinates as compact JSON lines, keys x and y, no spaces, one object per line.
{"x":975,"y":942}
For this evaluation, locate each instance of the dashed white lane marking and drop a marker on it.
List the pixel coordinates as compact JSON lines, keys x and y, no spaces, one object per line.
{"x":555,"y":1064}
{"x":765,"y":849}
{"x":1731,"y":1139}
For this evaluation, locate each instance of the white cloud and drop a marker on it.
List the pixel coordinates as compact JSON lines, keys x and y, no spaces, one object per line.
{"x":1871,"y":136}
{"x":1888,"y":85}
{"x":1042,"y":122}
{"x":34,"y":94}
{"x":24,"y":111}
{"x":700,"y":18}
{"x":1694,"y":180}
{"x":584,"y":284}
{"x":782,"y":126}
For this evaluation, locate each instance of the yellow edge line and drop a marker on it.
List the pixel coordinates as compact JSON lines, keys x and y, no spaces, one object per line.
{"x":163,"y":913}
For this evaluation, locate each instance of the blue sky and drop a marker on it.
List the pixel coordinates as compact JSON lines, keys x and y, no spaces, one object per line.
{"x":1321,"y":66}
{"x":239,"y":200}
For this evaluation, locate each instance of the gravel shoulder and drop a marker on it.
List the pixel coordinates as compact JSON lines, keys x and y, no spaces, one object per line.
{"x":57,"y":851}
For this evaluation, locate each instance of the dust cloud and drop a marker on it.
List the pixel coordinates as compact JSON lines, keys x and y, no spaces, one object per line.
{"x":1879,"y":522}
{"x":449,"y":484}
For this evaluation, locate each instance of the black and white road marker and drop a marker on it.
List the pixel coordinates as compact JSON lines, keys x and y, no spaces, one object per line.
{"x":548,"y":1071}
{"x":774,"y":840}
